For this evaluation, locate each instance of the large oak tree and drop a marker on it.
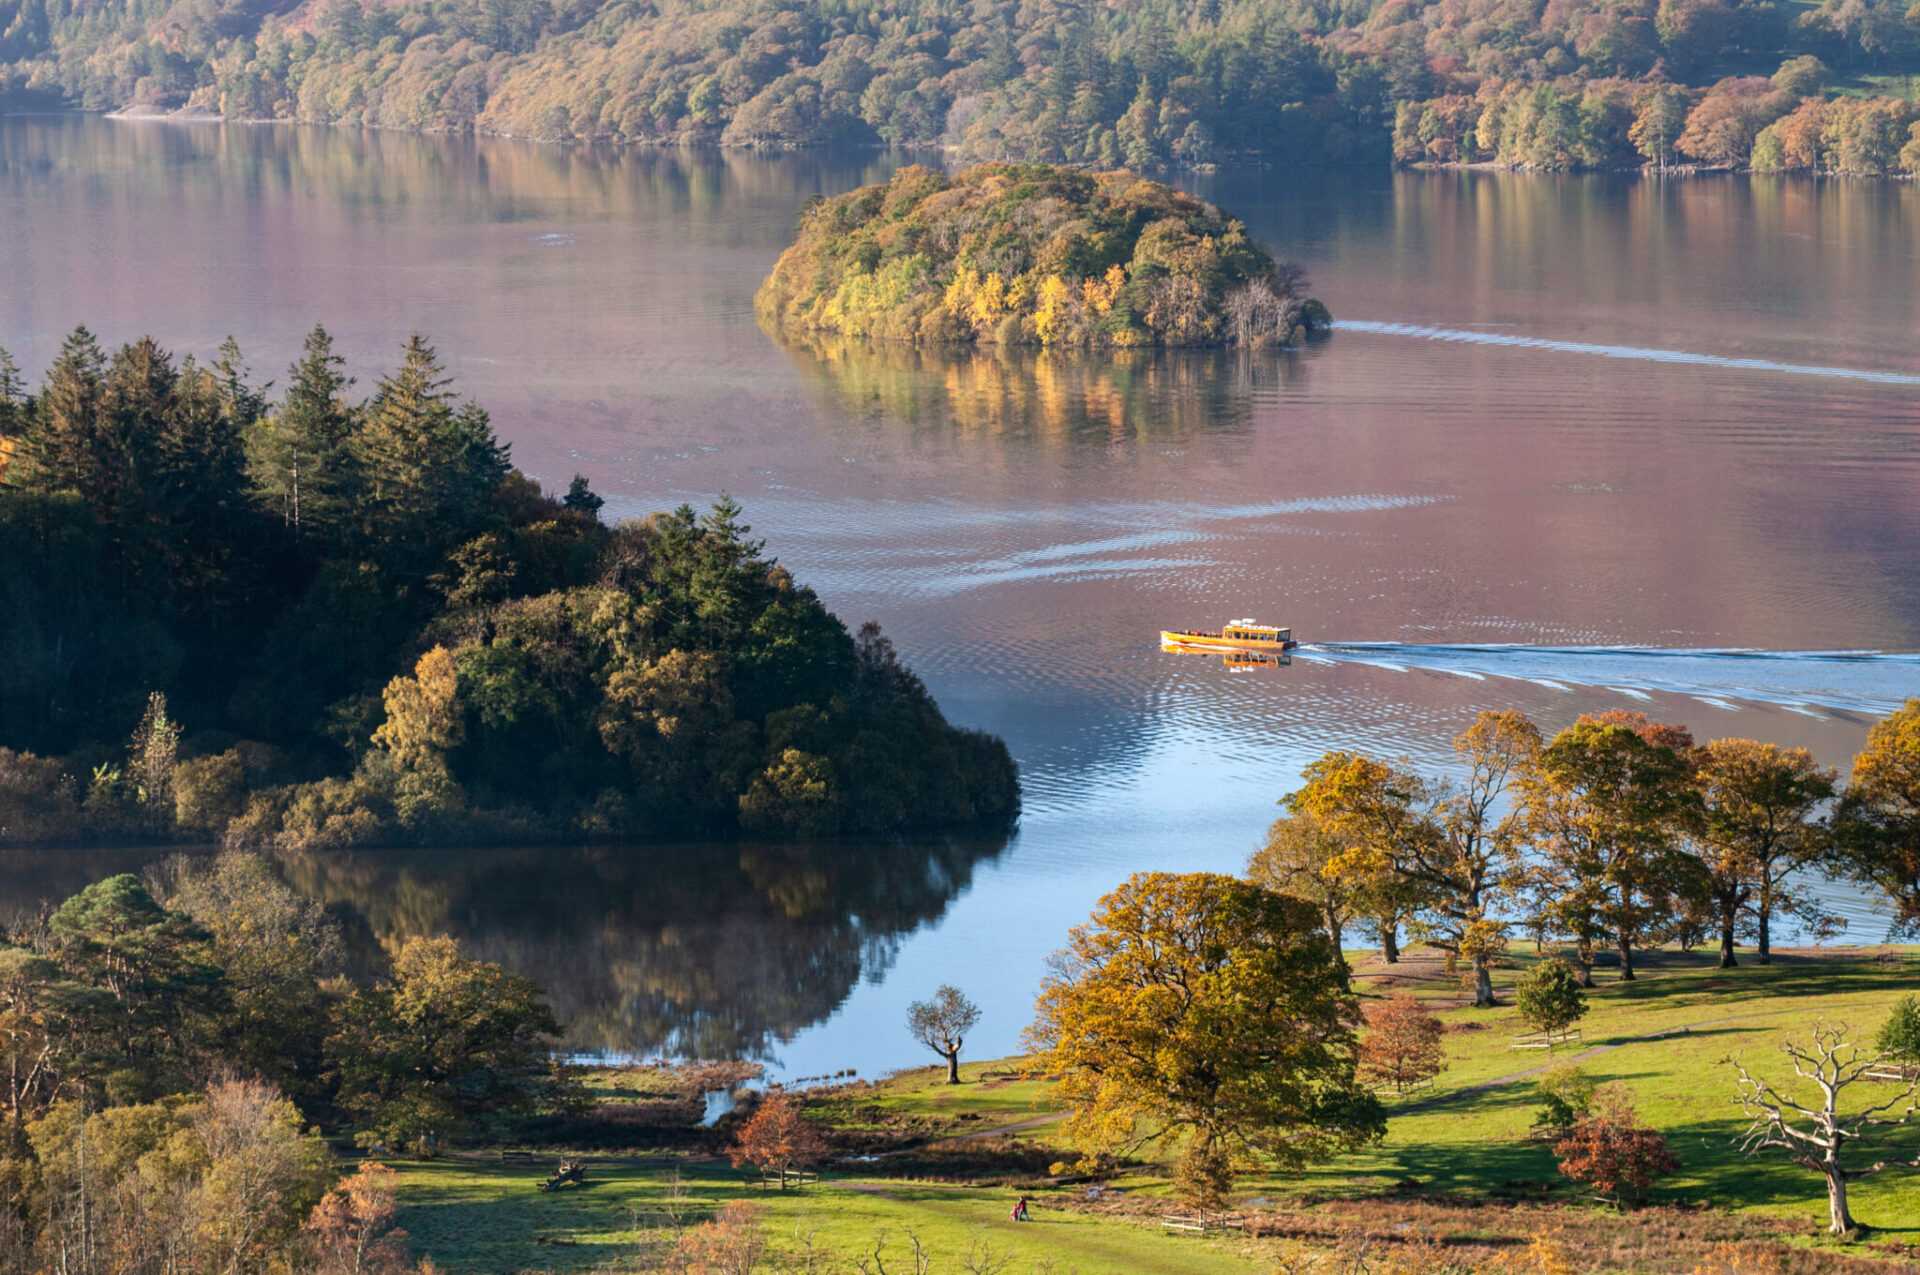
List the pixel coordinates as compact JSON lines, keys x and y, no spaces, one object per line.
{"x":1200,"y":1006}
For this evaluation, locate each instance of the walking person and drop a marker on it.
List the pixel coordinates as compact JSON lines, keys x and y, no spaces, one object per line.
{"x":1020,"y":1210}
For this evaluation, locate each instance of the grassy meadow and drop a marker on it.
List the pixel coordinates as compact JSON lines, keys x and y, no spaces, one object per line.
{"x":1458,"y":1166}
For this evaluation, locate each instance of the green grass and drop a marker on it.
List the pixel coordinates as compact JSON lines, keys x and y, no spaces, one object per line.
{"x":1476,"y":1145}
{"x":479,"y":1216}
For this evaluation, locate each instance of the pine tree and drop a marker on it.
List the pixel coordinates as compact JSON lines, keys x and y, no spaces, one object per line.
{"x":581,"y":498}
{"x":59,"y":448}
{"x":301,"y":457}
{"x":427,"y":464}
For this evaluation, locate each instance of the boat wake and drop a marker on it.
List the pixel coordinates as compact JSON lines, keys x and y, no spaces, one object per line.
{"x":1467,"y":336}
{"x":1868,"y":682}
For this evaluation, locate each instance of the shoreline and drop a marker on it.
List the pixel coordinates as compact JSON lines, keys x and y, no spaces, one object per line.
{"x":947,"y":155}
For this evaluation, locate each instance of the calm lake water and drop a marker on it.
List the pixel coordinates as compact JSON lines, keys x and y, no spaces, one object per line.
{"x":1576,"y":439}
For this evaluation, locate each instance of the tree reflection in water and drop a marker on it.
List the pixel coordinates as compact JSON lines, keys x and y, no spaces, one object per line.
{"x":1056,"y":398}
{"x":715,"y":950}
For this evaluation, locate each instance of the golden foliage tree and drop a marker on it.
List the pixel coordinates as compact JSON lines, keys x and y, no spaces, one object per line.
{"x":1879,"y":816}
{"x":1759,"y":827}
{"x":1605,"y":803}
{"x":1201,"y":1007}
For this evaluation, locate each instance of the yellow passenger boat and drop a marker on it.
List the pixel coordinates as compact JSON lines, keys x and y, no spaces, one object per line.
{"x":1241,"y":635}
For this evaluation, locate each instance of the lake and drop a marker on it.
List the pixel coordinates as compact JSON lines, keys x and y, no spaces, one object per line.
{"x":1576,"y":444}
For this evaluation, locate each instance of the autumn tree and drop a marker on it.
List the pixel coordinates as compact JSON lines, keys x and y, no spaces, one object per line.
{"x":1817,"y":1135}
{"x":1295,"y":861}
{"x":1878,"y":820}
{"x":1759,"y":827}
{"x":1549,"y":997}
{"x":1402,"y":1046}
{"x":731,"y":1243}
{"x":445,"y":1043}
{"x":1379,"y":813}
{"x":1612,"y":1151}
{"x":1449,"y":851}
{"x":1605,"y":804}
{"x":1660,"y":116}
{"x":941,"y":1024}
{"x":152,"y":757}
{"x":425,"y":722}
{"x":778,"y":1138}
{"x":352,"y":1227}
{"x":1201,"y":1007}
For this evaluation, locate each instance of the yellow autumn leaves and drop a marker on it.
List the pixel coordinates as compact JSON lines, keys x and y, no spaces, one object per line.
{"x":1061,"y":306}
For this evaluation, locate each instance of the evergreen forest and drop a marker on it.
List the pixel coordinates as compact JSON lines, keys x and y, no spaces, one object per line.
{"x":1819,"y":86}
{"x":312,"y":622}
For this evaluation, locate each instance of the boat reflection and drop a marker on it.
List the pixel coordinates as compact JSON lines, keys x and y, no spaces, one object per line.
{"x":1241,"y":661}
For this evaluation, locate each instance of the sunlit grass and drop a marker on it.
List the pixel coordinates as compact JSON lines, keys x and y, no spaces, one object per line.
{"x":1449,"y":1141}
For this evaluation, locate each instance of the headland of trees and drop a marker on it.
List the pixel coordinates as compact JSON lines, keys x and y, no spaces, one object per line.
{"x":1032,"y":254}
{"x":315,"y":622}
{"x":1575,"y":84}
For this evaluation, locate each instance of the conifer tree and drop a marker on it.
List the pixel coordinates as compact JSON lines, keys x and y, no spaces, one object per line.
{"x":427,"y":463}
{"x":59,"y":448}
{"x":301,"y":457}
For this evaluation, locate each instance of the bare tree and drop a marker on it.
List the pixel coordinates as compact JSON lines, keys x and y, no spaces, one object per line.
{"x":982,"y":1258}
{"x":941,"y":1024}
{"x":1816,"y":1136}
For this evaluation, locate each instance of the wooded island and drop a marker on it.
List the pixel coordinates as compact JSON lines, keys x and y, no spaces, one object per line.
{"x":1033,"y":254}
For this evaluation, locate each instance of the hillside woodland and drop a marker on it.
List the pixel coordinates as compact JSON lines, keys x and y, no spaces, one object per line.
{"x":1032,"y":254}
{"x":1562,"y":84}
{"x":319,"y":622}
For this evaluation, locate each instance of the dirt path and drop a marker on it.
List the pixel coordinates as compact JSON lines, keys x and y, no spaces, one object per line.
{"x":1018,"y":1126}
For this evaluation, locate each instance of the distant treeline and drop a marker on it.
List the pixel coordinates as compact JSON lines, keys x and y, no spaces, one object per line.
{"x":1567,"y":83}
{"x":317,"y":622}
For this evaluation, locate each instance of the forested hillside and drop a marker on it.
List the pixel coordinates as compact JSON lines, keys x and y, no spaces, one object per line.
{"x":319,"y":622}
{"x":1560,"y":84}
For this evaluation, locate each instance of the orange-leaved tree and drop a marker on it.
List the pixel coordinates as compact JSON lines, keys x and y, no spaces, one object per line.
{"x":1402,"y":1044}
{"x":1611,"y":1151}
{"x":731,"y":1244}
{"x":777,"y":1138}
{"x":352,"y":1227}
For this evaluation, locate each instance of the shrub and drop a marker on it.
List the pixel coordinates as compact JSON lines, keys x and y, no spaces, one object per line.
{"x":1566,"y":1095}
{"x":1612,"y":1152}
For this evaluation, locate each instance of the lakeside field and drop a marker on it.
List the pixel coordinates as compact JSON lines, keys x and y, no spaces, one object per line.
{"x":1457,"y":1168}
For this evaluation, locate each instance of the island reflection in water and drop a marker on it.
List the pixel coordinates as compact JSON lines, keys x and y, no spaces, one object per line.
{"x":1024,"y":396}
{"x":706,"y":950}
